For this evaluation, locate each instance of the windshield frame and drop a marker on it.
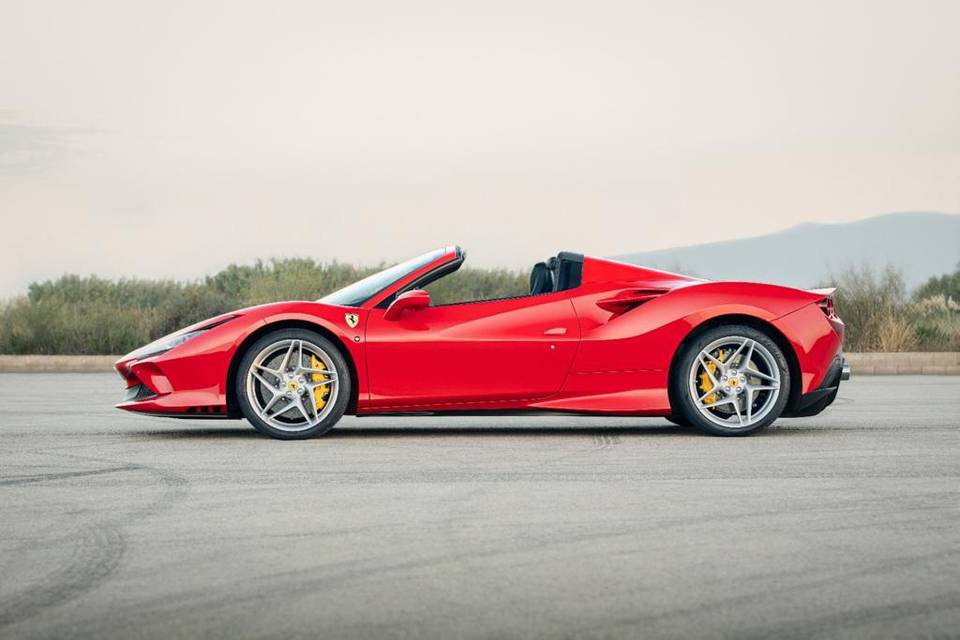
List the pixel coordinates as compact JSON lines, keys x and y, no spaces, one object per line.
{"x":374,"y":286}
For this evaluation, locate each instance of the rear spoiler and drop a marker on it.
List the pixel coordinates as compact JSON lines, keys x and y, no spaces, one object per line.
{"x":825,"y":292}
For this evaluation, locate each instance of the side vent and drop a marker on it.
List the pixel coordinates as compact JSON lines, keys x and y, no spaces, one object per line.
{"x":629,"y":299}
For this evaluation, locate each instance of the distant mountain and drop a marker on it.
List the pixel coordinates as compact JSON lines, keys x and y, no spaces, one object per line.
{"x":919,"y":244}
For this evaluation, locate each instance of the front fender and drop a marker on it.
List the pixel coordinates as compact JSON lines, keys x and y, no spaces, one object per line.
{"x":331,"y":320}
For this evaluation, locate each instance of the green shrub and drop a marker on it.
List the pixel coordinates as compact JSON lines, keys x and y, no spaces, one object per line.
{"x":91,"y":315}
{"x":478,"y":284}
{"x":57,"y":326}
{"x":868,"y":302}
{"x":947,"y":286}
{"x":880,"y":316}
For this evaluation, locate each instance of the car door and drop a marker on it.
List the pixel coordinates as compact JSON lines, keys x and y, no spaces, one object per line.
{"x":505,"y":350}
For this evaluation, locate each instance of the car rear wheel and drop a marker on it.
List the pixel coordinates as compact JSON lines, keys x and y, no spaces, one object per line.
{"x":731,"y":380}
{"x":293,"y":384}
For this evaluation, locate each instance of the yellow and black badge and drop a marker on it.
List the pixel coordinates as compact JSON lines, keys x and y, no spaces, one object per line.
{"x":352,"y":319}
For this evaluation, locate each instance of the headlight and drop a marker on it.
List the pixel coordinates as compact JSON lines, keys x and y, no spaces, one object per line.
{"x":165,"y":344}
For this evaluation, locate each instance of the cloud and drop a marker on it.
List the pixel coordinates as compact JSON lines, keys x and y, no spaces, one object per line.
{"x":28,"y":148}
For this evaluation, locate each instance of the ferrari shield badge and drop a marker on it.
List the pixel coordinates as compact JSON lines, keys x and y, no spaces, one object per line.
{"x":352,"y":319}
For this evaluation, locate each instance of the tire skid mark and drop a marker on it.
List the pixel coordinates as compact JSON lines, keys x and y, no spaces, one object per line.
{"x":288,"y":584}
{"x":456,"y":507}
{"x":326,"y":577}
{"x":97,"y":552}
{"x":45,"y":477}
{"x":98,"y":548}
{"x":830,"y":624}
{"x":323,"y":577}
{"x":825,"y":579}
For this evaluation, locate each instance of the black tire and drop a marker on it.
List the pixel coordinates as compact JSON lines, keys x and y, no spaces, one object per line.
{"x":340,"y":366}
{"x":678,"y":420}
{"x":685,"y":405}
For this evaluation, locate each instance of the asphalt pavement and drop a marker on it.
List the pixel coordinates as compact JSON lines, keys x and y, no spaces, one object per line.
{"x":114,"y":525}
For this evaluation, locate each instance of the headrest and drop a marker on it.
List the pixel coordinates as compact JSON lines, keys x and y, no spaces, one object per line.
{"x":541,"y":279}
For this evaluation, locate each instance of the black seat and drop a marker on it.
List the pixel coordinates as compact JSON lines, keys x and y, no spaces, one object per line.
{"x":541,"y":279}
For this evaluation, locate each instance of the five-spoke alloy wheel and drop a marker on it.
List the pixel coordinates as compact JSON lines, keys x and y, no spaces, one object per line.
{"x":293,"y":383}
{"x":731,"y":380}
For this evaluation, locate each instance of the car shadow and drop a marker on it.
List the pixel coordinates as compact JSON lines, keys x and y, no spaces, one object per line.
{"x":493,"y":431}
{"x":596,"y":431}
{"x":223,"y":433}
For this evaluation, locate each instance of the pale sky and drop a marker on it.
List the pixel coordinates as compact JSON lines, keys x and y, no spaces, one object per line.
{"x":171,"y":138}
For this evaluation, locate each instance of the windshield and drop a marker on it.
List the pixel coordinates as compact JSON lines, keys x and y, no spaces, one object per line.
{"x":359,"y":292}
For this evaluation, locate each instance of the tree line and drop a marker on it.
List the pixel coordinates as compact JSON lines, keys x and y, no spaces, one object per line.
{"x":92,"y":315}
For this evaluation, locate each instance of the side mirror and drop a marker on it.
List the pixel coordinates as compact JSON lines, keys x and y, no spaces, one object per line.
{"x":411,"y":300}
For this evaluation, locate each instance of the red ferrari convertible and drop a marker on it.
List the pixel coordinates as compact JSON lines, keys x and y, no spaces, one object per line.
{"x":593,"y":336}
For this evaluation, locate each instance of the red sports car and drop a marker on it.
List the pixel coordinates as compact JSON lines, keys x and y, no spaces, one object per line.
{"x":593,"y":336}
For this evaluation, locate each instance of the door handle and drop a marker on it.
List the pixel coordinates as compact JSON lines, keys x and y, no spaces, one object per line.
{"x":556,"y":331}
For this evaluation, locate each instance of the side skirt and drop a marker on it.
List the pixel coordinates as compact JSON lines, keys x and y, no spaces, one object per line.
{"x":509,"y":412}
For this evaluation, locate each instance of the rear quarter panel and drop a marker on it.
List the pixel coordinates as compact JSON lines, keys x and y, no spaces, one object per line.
{"x":623,"y":363}
{"x":648,"y":336}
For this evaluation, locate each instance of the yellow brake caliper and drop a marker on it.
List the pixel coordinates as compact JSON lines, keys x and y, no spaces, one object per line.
{"x":705,"y":383}
{"x":320,"y":395}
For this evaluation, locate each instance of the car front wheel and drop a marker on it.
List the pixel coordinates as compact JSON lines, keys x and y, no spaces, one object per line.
{"x":293,"y":384}
{"x":731,"y":380}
